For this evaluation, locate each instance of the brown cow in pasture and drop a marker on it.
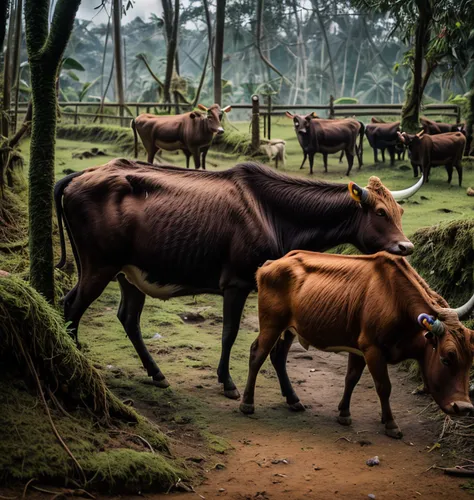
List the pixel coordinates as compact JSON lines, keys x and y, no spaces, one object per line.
{"x":375,"y":307}
{"x":165,"y":232}
{"x":317,"y":135}
{"x":433,"y":150}
{"x":433,"y":128}
{"x":382,"y":135}
{"x":191,"y":132}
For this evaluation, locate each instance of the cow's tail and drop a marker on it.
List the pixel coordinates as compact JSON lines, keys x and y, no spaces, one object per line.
{"x":135,"y":137}
{"x":361,"y":143}
{"x":58,"y":198}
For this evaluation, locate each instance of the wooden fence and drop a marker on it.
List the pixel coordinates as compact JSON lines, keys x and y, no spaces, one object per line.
{"x":260,"y":111}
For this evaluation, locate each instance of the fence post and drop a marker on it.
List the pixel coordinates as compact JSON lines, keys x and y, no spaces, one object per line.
{"x":458,"y":114}
{"x":75,"y":115}
{"x":269,"y":110}
{"x":331,"y":107}
{"x":255,"y":123}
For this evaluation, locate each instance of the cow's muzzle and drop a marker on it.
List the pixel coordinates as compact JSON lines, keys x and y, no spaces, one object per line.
{"x":462,"y":409}
{"x":220,"y":131}
{"x":402,"y":248}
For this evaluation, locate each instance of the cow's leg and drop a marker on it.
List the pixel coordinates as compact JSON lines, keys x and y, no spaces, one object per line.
{"x":279,"y":355}
{"x":341,"y":156}
{"x":379,"y":371}
{"x":311,"y":162}
{"x":325,"y":161}
{"x":89,"y":288}
{"x":151,"y":154}
{"x":383,"y":155}
{"x":376,"y":159}
{"x":188,"y":155}
{"x":129,"y":312}
{"x":391,"y":152}
{"x":426,"y":173}
{"x":355,"y":367}
{"x":350,"y":161}
{"x":203,"y":156}
{"x":459,"y":171}
{"x":197,"y":157}
{"x":415,"y":170}
{"x":449,"y":170}
{"x":234,"y":302}
{"x":259,"y":351}
{"x":304,"y":159}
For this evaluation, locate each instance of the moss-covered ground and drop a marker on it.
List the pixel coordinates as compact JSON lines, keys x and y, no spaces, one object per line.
{"x":192,"y":411}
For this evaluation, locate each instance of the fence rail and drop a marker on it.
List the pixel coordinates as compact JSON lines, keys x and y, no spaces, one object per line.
{"x":259,"y":110}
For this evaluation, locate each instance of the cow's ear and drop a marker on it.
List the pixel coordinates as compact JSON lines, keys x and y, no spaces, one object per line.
{"x":314,"y":115}
{"x":289,"y":115}
{"x":401,"y":137}
{"x":357,"y":193}
{"x":227,"y":109}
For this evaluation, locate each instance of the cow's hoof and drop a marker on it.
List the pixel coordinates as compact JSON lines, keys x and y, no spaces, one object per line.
{"x":394,"y":433}
{"x":344,"y":420}
{"x":163,"y":383}
{"x":232,"y":394}
{"x":247,"y":409}
{"x":297,"y":406}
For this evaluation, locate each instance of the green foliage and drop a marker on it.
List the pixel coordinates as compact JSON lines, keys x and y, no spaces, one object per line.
{"x":444,"y":256}
{"x":346,"y":100}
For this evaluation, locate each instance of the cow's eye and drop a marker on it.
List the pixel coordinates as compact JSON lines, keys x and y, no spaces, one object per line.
{"x":445,"y":361}
{"x":381,"y":212}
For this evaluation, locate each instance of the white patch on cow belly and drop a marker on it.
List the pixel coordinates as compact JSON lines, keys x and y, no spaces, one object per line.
{"x":342,"y":348}
{"x":169,"y":146}
{"x":137,"y":277}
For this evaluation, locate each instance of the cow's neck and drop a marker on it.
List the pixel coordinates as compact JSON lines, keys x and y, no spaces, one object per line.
{"x":308,"y":215}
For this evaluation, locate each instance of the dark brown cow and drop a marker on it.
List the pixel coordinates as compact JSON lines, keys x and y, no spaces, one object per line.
{"x":432,"y":150}
{"x":176,"y":232}
{"x":375,"y":307}
{"x":317,"y":135}
{"x":433,"y":128}
{"x":382,"y":135}
{"x":192,"y":132}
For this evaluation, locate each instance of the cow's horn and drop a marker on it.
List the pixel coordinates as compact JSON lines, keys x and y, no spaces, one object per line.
{"x":464,"y":311}
{"x":201,"y":106}
{"x":227,"y":109}
{"x":420,"y":133}
{"x":406,"y":193}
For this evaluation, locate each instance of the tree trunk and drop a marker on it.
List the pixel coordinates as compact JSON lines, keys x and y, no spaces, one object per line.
{"x":411,"y":108}
{"x":7,"y":75}
{"x":45,"y":48}
{"x":321,"y":62}
{"x":104,"y":56}
{"x":209,"y":32}
{"x":3,"y":22}
{"x":470,"y":120}
{"x":16,"y":58}
{"x":356,"y":71}
{"x":118,"y":57}
{"x":219,"y":50}
{"x":203,"y":77}
{"x":344,"y":70}
{"x":171,"y":52}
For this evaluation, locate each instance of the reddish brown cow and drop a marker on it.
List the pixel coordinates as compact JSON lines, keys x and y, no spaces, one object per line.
{"x":175,"y":232}
{"x":378,"y":309}
{"x":317,"y":135}
{"x":433,"y":128}
{"x":432,"y":150}
{"x":191,"y":132}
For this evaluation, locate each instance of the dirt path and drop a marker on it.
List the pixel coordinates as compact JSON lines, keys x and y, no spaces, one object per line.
{"x":324,"y":459}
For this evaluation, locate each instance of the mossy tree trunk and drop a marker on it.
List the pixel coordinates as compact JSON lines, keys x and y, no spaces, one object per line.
{"x":7,"y":74}
{"x":45,"y":48}
{"x":171,"y":50}
{"x":470,"y":120}
{"x":118,"y":58}
{"x":411,"y":108}
{"x":219,"y":51}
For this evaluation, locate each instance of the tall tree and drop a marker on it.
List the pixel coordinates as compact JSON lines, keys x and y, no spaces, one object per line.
{"x":171,"y":53}
{"x":118,"y":57}
{"x":7,"y":73}
{"x":16,"y":57}
{"x":45,"y":45}
{"x":219,"y":50}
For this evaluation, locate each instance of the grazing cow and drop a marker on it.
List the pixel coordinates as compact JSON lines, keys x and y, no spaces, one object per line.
{"x":317,"y":135}
{"x":433,"y":128}
{"x":383,"y":136}
{"x":192,"y":132}
{"x":274,"y":149}
{"x":432,"y":150}
{"x":168,"y":232}
{"x":375,"y":307}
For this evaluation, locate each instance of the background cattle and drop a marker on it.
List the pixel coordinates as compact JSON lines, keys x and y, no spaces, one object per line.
{"x":191,"y":132}
{"x":317,"y":135}
{"x":432,"y":128}
{"x":382,"y":135}
{"x":274,"y":149}
{"x":166,"y":232}
{"x":378,"y":309}
{"x":433,"y":150}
